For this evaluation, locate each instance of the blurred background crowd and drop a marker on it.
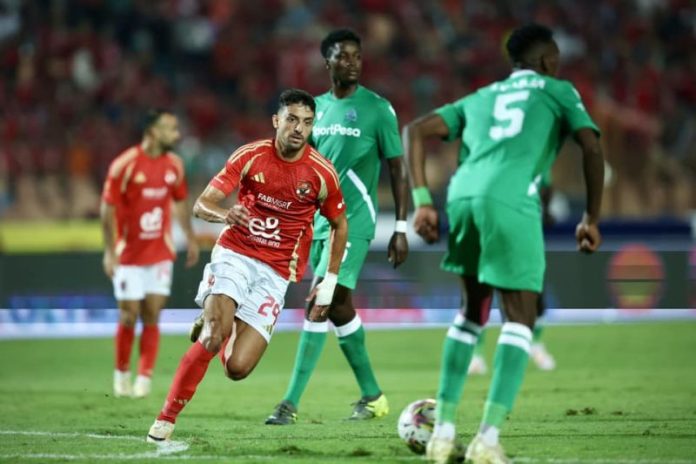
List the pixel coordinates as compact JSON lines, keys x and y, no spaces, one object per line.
{"x":77,"y":76}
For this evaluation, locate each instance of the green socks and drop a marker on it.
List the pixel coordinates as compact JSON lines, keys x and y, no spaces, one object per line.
{"x":457,"y":352}
{"x":509,"y":365}
{"x":309,"y":350}
{"x":351,"y":339}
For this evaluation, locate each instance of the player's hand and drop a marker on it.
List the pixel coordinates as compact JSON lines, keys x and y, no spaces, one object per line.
{"x":108,"y":263}
{"x":318,"y":313}
{"x":397,"y":251}
{"x":587,"y":235}
{"x":426,"y":223}
{"x":192,"y":252}
{"x":238,"y":215}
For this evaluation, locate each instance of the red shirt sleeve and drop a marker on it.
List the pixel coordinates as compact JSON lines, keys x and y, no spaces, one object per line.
{"x":180,"y":190}
{"x":227,"y":180}
{"x":111,"y":193}
{"x":333,"y":205}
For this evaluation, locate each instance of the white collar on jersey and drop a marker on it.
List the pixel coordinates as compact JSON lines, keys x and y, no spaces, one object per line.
{"x":522,"y":72}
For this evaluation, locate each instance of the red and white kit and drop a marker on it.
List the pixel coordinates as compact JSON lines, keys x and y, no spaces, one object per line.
{"x":282,"y":198}
{"x":141,"y":189}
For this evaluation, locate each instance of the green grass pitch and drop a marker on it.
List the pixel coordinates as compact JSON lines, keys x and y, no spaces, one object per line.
{"x":621,"y":393}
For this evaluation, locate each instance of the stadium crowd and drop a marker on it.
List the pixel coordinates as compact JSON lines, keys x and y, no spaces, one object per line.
{"x":78,"y":74}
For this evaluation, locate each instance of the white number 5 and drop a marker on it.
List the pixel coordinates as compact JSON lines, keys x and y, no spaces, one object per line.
{"x":514,"y":117}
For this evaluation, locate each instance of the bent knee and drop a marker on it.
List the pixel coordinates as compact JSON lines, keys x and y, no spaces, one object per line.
{"x":237,"y":373}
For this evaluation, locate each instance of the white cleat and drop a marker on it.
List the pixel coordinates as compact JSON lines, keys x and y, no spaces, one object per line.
{"x":160,"y":431}
{"x":122,"y":384}
{"x":142,"y":386}
{"x":541,"y":357}
{"x":439,"y":450}
{"x":478,"y":366}
{"x":478,"y":452}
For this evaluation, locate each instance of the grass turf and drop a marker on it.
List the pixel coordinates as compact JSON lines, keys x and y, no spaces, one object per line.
{"x":621,"y":393}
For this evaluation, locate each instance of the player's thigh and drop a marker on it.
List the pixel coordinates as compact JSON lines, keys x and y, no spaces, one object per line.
{"x":351,"y":263}
{"x":152,"y":307}
{"x":512,"y":245}
{"x":248,"y":347}
{"x":463,"y":247}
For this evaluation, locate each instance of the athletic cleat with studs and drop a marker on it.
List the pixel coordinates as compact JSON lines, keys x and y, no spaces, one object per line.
{"x":478,"y":366}
{"x":285,"y":414}
{"x":478,"y":452}
{"x":142,"y":386}
{"x":196,"y":328}
{"x":541,"y":357}
{"x":122,"y":384}
{"x":160,"y":431}
{"x":366,"y":409}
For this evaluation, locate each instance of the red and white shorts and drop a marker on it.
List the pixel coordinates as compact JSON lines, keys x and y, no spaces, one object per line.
{"x":134,"y":282}
{"x":258,"y":289}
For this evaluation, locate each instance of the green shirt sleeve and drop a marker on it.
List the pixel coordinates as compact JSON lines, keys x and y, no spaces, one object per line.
{"x":453,"y":115}
{"x":573,"y":109}
{"x":388,"y":138}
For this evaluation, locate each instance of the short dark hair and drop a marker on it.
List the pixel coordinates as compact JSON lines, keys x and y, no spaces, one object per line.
{"x":293,"y":96}
{"x":334,"y":37}
{"x":524,"y":38}
{"x":151,"y":118}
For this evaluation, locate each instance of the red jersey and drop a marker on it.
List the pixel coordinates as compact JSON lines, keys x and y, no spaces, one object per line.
{"x":141,"y":189}
{"x":282,"y":197}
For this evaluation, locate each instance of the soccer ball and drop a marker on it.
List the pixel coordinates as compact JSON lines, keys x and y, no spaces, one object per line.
{"x":416,"y":424}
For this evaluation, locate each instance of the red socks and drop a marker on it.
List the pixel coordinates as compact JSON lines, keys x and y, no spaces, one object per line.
{"x":149,"y":343}
{"x":188,"y":375}
{"x":124,"y":344}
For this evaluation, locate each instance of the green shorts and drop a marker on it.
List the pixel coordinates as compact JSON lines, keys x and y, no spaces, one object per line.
{"x":501,"y":245}
{"x":353,"y":260}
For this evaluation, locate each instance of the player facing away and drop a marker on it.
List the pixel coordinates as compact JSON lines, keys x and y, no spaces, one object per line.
{"x":138,"y":249}
{"x":355,"y":129}
{"x":513,"y":130}
{"x":282,"y":182}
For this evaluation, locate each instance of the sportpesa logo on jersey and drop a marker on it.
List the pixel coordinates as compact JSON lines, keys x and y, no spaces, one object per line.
{"x":336,"y":129}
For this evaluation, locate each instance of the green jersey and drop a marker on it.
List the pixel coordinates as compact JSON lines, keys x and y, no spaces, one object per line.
{"x":511,"y":133}
{"x":355,"y":133}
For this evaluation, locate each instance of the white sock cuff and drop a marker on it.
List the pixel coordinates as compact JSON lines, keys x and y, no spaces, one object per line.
{"x":461,"y":336}
{"x":515,"y":334}
{"x":316,"y":327}
{"x":518,"y":329}
{"x":349,"y":328}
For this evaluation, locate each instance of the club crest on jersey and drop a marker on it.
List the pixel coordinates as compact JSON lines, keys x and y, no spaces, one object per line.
{"x":170,"y":177}
{"x":351,"y":115}
{"x":303,"y":189}
{"x":140,"y":178}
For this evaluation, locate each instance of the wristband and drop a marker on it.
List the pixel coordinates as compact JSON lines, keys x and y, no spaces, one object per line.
{"x":400,"y":227}
{"x":421,"y":197}
{"x":325,"y":289}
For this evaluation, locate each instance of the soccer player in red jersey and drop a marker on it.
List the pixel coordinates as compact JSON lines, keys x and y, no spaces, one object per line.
{"x":281,"y":183}
{"x":138,"y":249}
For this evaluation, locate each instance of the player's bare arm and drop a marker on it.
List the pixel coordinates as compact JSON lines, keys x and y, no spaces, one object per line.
{"x":323,"y":292}
{"x":397,"y":251}
{"x":426,"y":221}
{"x":106,"y":212}
{"x":207,"y":207}
{"x":184,"y":218}
{"x":587,"y":232}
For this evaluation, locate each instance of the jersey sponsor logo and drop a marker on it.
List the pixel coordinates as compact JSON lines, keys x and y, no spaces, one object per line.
{"x":274,"y":202}
{"x":265,"y":231}
{"x":351,"y":115}
{"x":140,"y":178}
{"x":336,"y":129}
{"x":303,"y":189}
{"x":524,"y":83}
{"x":151,"y":224}
{"x":152,"y":193}
{"x":170,"y":177}
{"x":259,"y":177}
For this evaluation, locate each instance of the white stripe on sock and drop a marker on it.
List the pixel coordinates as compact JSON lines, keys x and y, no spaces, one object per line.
{"x":317,"y":327}
{"x":458,"y":319}
{"x":464,"y":337}
{"x":506,"y":339}
{"x":518,"y":329}
{"x":349,"y":328}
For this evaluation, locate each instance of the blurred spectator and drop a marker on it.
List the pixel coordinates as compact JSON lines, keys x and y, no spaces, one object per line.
{"x":77,"y":74}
